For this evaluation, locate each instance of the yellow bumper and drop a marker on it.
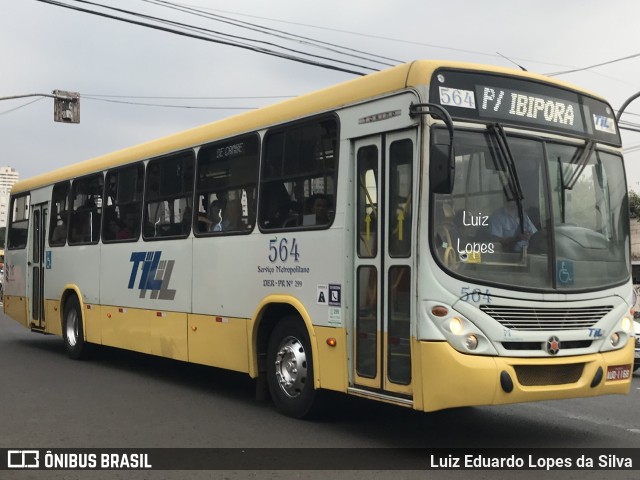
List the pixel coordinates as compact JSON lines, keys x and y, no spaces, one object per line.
{"x":453,"y":379}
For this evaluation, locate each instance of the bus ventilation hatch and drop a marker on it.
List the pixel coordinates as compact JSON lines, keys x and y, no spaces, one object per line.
{"x":539,"y":375}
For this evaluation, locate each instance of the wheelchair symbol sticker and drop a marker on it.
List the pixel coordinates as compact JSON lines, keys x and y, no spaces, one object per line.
{"x":565,"y":272}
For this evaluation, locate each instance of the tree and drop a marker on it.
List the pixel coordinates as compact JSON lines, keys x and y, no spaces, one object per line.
{"x":634,"y":204}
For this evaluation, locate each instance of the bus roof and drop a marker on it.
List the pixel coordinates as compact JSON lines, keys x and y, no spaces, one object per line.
{"x":376,"y":84}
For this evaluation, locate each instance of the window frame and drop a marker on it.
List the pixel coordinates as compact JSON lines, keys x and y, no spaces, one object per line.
{"x":252,"y":204}
{"x":73,"y":210}
{"x":27,"y":219}
{"x":58,"y":215}
{"x":284,"y":177}
{"x":185,"y":154}
{"x":139,"y":165}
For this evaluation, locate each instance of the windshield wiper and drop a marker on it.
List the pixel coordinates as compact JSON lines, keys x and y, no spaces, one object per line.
{"x":507,"y":161}
{"x":580,"y":160}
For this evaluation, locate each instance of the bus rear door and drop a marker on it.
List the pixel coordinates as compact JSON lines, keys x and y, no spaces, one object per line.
{"x":36,"y":265}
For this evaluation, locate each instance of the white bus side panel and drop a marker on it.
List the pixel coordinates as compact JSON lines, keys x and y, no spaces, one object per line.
{"x":145,"y":296}
{"x":232,"y":275}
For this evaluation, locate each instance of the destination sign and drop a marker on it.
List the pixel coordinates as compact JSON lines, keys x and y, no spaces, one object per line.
{"x":515,"y":101}
{"x":505,"y":104}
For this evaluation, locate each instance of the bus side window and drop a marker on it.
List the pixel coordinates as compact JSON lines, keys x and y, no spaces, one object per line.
{"x":169,"y":195}
{"x":59,"y":226}
{"x":226,"y":186}
{"x":123,"y":203}
{"x":299,"y":176}
{"x":19,"y":222}
{"x":86,"y":197}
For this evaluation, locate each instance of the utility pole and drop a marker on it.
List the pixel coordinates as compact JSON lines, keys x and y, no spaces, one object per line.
{"x":66,"y":105}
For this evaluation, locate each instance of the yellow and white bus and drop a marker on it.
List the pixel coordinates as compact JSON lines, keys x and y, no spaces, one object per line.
{"x":434,"y":235}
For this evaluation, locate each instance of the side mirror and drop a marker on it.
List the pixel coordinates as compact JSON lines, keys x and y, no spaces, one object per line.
{"x":442,"y":168}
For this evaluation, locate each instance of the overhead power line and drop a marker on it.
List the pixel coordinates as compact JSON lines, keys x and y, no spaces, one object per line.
{"x":22,"y":106}
{"x":206,"y":38}
{"x":332,"y":47}
{"x":218,"y":34}
{"x":380,"y":37}
{"x":145,"y":104}
{"x":594,"y":66}
{"x":163,"y":97}
{"x":409,"y":42}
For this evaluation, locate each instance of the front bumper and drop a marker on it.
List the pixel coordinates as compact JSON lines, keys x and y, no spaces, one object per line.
{"x":452,"y":379}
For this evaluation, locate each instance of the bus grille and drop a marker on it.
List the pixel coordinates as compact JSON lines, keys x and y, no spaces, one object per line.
{"x":539,"y":375}
{"x":524,"y":318}
{"x":534,"y":346}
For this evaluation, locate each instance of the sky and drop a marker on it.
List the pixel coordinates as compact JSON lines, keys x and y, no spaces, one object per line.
{"x":117,"y":66}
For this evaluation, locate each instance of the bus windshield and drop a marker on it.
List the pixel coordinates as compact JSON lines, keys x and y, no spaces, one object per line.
{"x":532,"y":213}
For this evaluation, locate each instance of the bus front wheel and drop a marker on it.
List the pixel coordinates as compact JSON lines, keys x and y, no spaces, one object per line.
{"x":290,"y":369}
{"x":72,"y":331}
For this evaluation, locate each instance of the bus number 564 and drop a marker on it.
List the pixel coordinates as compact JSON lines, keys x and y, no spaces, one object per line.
{"x":283,"y":250}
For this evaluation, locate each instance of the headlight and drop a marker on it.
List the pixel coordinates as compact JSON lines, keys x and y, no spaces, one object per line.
{"x":626,"y":325}
{"x":455,"y":325}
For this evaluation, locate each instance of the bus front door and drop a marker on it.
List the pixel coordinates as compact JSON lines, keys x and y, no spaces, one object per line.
{"x":36,"y":266}
{"x":384,"y":263}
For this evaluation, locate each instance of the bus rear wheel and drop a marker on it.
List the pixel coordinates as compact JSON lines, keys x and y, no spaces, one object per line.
{"x":290,"y":369}
{"x":72,"y":331}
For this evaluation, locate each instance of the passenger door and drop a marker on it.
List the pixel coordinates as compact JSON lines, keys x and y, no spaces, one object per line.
{"x":384,"y":262}
{"x":36,"y":265}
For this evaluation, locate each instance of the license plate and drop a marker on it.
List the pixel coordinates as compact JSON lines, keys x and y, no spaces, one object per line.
{"x":618,"y":372}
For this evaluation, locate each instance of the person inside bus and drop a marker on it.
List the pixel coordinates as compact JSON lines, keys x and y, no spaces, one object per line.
{"x":504,"y":226}
{"x":186,"y":220}
{"x":80,"y":228}
{"x":320,"y":207}
{"x":129,"y":230}
{"x":213,"y":216}
{"x":59,"y":235}
{"x":231,"y":216}
{"x":276,"y":205}
{"x":114,"y":227}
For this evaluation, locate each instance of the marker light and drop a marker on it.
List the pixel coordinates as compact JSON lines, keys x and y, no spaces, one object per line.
{"x":614,"y":339}
{"x":439,"y":311}
{"x":626,"y":324}
{"x":471,"y":342}
{"x":332,"y":342}
{"x":455,"y":325}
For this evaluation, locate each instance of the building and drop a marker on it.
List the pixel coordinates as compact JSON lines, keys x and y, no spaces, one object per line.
{"x":8,"y":177}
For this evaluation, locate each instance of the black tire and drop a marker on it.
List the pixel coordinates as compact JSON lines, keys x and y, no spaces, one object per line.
{"x":290,"y":369}
{"x":72,"y":330}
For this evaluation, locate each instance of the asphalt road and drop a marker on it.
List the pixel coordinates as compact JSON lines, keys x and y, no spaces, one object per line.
{"x":120,"y":399}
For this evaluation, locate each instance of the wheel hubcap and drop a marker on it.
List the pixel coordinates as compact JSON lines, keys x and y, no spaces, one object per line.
{"x":291,"y":366}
